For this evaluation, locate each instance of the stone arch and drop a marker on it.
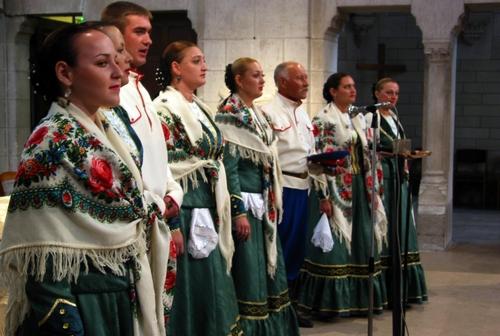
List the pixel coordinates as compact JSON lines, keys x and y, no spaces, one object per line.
{"x":18,"y":119}
{"x":326,"y":22}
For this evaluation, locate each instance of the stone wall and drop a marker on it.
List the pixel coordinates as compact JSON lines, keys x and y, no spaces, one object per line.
{"x":14,"y":89}
{"x":260,"y":29}
{"x":17,"y":120}
{"x":279,"y":30}
{"x":403,"y":46}
{"x":477,"y":111}
{"x":478,"y":86}
{"x":3,"y":99}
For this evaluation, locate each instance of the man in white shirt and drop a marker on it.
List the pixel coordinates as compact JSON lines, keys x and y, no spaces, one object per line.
{"x":134,"y":22}
{"x":295,"y":142}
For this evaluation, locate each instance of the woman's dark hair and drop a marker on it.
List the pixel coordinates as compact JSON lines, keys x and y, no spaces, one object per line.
{"x":238,"y":67}
{"x":58,"y":46}
{"x":379,"y":85}
{"x":332,"y":82}
{"x":174,"y":52}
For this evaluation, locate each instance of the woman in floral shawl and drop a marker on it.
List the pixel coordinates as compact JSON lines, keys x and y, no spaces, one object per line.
{"x":205,"y":299}
{"x":396,"y":173}
{"x":73,"y":253}
{"x":254,"y":182}
{"x":336,"y":282}
{"x":160,"y":189}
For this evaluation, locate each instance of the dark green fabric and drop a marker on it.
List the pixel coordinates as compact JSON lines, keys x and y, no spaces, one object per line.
{"x":416,"y":286}
{"x":205,"y":299}
{"x":337,"y":282}
{"x":264,"y":305}
{"x":123,"y":115}
{"x":201,"y":197}
{"x":103,"y":306}
{"x":242,"y":175}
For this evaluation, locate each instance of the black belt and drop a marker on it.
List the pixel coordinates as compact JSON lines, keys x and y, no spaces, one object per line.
{"x":303,"y":175}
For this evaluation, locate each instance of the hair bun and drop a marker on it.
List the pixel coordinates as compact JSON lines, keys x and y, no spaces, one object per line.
{"x":229,"y":78}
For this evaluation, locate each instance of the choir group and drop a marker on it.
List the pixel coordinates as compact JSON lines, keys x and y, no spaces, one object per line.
{"x":140,"y":216}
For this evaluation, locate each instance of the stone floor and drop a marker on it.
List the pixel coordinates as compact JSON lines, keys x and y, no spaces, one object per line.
{"x":463,"y":285}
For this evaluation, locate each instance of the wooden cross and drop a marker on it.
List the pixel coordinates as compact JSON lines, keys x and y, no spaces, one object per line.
{"x":382,"y":69}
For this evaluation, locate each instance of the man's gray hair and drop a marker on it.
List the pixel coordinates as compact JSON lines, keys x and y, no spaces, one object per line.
{"x":281,"y":71}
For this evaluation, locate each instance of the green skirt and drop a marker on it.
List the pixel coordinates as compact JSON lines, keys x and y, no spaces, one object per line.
{"x":264,"y":305}
{"x":336,"y":282}
{"x":416,"y":290}
{"x":204,"y":299}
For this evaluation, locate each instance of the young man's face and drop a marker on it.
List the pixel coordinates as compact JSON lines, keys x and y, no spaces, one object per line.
{"x":137,"y":38}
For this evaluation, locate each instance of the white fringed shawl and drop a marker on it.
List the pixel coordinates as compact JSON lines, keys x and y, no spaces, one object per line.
{"x":168,"y":104}
{"x":78,"y":199}
{"x":250,"y":135}
{"x":332,"y":134}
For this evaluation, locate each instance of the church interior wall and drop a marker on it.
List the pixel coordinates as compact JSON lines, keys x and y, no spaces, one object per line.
{"x":14,"y":89}
{"x":403,"y":45}
{"x":36,"y":7}
{"x":3,"y":101}
{"x":17,"y":86}
{"x":260,"y":29}
{"x":228,"y":29}
{"x":478,"y":86}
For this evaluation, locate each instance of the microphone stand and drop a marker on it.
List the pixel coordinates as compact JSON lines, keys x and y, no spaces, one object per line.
{"x":397,"y":325}
{"x":408,"y":217}
{"x":371,"y":260}
{"x":398,"y":282}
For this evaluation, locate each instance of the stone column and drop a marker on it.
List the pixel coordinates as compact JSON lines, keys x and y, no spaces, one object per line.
{"x":435,"y":200}
{"x":325,"y":24}
{"x":438,"y":21}
{"x":4,"y":153}
{"x":18,"y":113}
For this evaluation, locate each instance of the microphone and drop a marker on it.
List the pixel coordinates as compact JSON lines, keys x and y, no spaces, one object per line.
{"x":355,"y":110}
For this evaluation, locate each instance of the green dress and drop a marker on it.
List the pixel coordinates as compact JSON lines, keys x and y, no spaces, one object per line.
{"x":335,"y":283}
{"x":204,"y":302}
{"x":261,"y":286}
{"x":416,"y":287}
{"x":204,"y":299}
{"x":264,"y":305}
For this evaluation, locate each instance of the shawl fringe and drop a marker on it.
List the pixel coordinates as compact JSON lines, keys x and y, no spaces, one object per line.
{"x":250,"y":154}
{"x":192,"y":177}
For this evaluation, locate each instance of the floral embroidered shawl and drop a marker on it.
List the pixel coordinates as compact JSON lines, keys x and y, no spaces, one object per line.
{"x":184,"y":135}
{"x":78,"y":199}
{"x":331,"y":134}
{"x":252,"y":137}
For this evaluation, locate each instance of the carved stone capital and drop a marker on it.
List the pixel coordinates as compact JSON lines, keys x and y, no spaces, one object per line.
{"x":337,"y":24}
{"x":473,"y":27}
{"x":437,"y":52}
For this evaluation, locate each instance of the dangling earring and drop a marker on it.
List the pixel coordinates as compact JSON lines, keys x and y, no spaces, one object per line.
{"x":64,"y":101}
{"x":178,"y":79}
